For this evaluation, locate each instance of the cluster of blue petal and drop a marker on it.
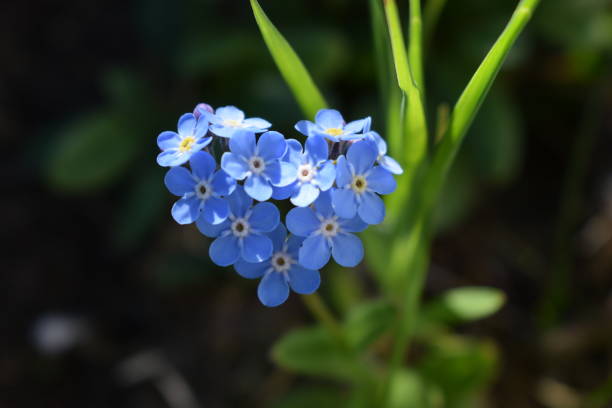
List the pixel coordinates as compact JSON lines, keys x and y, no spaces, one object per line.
{"x":334,"y":181}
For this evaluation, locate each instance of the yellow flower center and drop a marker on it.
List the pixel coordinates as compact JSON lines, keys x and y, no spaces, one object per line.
{"x":359,"y":184}
{"x":186,"y":143}
{"x":334,"y":131}
{"x":232,"y":123}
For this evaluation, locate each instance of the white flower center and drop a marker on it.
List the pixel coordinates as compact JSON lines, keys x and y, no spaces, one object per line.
{"x":359,"y":184}
{"x":240,"y":227}
{"x":281,"y":261}
{"x":203,"y":190}
{"x":329,"y":227}
{"x":306,"y":173}
{"x":257,"y":164}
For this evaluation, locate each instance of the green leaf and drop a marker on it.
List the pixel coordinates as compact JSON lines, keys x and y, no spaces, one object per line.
{"x":310,"y":397}
{"x":289,"y":64}
{"x":368,"y":321}
{"x":457,"y":197}
{"x":410,"y":390}
{"x":91,"y":153}
{"x":312,"y":351}
{"x":465,"y":304}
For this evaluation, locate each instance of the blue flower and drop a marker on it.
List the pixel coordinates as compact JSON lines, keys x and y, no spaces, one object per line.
{"x":200,"y":190}
{"x":242,"y":234}
{"x":358,"y":182}
{"x":386,"y":162}
{"x":177,"y":148}
{"x":314,"y":172}
{"x":227,"y":120}
{"x":326,"y":234}
{"x":281,"y":271}
{"x":330,"y":124}
{"x":259,"y":163}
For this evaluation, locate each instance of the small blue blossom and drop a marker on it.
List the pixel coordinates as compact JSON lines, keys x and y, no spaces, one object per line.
{"x":203,"y":109}
{"x":177,"y":148}
{"x":314,"y":172}
{"x":330,"y":124}
{"x":326,"y":235}
{"x":358,"y":181}
{"x":200,"y":190}
{"x":227,"y":120}
{"x":281,"y":271}
{"x":386,"y":162}
{"x":242,"y":234}
{"x":259,"y":163}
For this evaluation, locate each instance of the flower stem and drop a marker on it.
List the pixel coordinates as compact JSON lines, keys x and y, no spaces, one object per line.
{"x":317,"y":307}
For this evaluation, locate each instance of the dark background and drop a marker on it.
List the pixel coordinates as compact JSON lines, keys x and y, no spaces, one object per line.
{"x":106,"y":302}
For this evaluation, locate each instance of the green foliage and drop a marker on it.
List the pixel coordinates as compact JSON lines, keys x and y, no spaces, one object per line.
{"x":410,"y":390}
{"x":312,"y":351}
{"x":465,"y":304}
{"x":368,"y":321}
{"x":289,"y":64}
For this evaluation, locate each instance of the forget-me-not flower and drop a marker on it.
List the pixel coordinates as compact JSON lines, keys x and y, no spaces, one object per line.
{"x":243,"y":234}
{"x":314,"y":171}
{"x":330,"y":124}
{"x":200,"y":190}
{"x":326,"y":234}
{"x":177,"y":147}
{"x":259,"y":162}
{"x":281,"y":271}
{"x":227,"y":120}
{"x":359,"y":181}
{"x":387,"y":162}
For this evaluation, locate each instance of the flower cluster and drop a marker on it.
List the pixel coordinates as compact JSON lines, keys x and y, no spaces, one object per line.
{"x":334,"y":181}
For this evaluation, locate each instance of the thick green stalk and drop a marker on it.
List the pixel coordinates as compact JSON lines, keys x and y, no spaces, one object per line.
{"x":415,"y":45}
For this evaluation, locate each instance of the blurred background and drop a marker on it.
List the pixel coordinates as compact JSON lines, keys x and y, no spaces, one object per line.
{"x":106,"y":302}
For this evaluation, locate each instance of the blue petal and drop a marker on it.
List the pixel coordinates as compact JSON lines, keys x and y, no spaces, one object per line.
{"x":323,"y":204}
{"x":201,"y":127}
{"x":344,"y":202}
{"x":225,"y":131}
{"x":278,"y":237}
{"x":273,"y":289}
{"x":230,"y":113}
{"x":256,"y":248}
{"x":243,"y":144}
{"x":223,"y":184}
{"x":315,"y":252}
{"x":265,"y":217}
{"x":305,"y":127}
{"x":186,"y":125}
{"x":251,"y":270}
{"x":390,"y":164}
{"x":258,"y":187}
{"x":325,"y":176}
{"x":224,"y":251}
{"x":287,"y":174}
{"x":179,"y":181}
{"x":302,"y":221}
{"x":304,"y":281}
{"x":234,"y":165}
{"x":212,"y":231}
{"x":316,"y":148}
{"x":239,"y":202}
{"x":171,"y":158}
{"x":294,"y":152}
{"x":381,"y":181}
{"x":200,"y":144}
{"x":168,"y":140}
{"x":329,"y":118}
{"x":381,"y":145}
{"x":271,"y":145}
{"x":344,"y":176}
{"x":355,"y":126}
{"x":272,"y":172}
{"x":202,"y":165}
{"x":282,"y":193}
{"x":355,"y":224}
{"x":257,"y":123}
{"x":371,"y":208}
{"x":293,"y":245}
{"x":305,"y":195}
{"x":347,"y":250}
{"x":186,"y":210}
{"x":362,"y":155}
{"x":216,"y":210}
{"x":367,"y":123}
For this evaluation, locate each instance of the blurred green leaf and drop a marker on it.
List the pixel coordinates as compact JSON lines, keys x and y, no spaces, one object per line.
{"x":345,"y":288}
{"x":461,"y":367}
{"x":312,"y":351}
{"x":92,"y":152}
{"x":311,"y":397}
{"x":409,"y":390}
{"x":457,"y":197}
{"x":368,"y":321}
{"x":465,"y":304}
{"x":289,"y":64}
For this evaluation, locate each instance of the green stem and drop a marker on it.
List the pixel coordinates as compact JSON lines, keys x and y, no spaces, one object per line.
{"x":433,"y":9}
{"x":415,"y":45}
{"x":321,"y":312}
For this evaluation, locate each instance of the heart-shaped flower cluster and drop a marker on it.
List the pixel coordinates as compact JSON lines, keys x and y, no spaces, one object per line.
{"x":236,"y":165}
